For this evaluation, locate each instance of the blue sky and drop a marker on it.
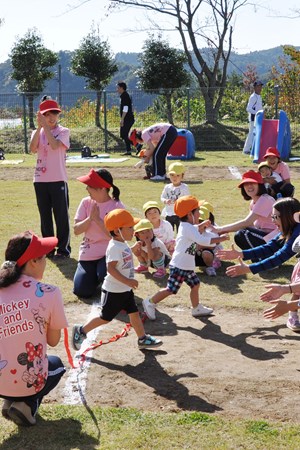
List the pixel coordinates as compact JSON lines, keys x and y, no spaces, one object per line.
{"x":261,"y":25}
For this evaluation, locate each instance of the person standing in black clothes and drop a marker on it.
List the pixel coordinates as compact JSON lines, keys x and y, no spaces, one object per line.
{"x":126,"y":115}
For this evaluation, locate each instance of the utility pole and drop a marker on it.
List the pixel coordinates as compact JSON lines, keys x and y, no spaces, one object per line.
{"x":59,"y":84}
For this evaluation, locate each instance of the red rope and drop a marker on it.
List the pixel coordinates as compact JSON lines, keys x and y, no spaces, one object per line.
{"x":114,"y":338}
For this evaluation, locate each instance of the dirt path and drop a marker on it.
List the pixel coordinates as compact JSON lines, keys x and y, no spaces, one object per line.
{"x":235,"y":364}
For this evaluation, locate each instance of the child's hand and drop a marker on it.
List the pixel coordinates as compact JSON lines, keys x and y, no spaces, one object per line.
{"x":133,"y":283}
{"x":137,"y":248}
{"x":224,"y":237}
{"x":203,"y":225}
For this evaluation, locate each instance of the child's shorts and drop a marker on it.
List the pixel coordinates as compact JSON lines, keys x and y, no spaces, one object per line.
{"x":178,"y":276}
{"x":111,"y":303}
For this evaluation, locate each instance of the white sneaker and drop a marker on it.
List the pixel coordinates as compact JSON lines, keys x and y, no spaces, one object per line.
{"x":149,"y":309}
{"x":158,"y":178}
{"x":210,"y":271}
{"x":201,"y":310}
{"x":20,"y":413}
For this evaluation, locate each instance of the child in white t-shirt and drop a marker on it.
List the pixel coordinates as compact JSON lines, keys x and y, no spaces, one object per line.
{"x":173,"y":191}
{"x":182,"y":264}
{"x":161,"y":228}
{"x":149,"y":250}
{"x":117,"y":288}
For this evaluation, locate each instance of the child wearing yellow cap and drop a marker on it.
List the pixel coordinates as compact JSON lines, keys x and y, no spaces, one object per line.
{"x":117,"y":288}
{"x":149,"y":250}
{"x":173,"y":191}
{"x":162,"y":229}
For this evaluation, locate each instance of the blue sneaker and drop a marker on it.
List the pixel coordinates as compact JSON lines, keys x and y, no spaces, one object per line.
{"x":149,"y":342}
{"x":77,"y":337}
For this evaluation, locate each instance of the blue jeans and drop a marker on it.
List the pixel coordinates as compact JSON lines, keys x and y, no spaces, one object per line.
{"x":88,"y":276}
{"x":56,"y":370}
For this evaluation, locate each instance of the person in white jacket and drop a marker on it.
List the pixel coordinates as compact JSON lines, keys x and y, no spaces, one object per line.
{"x":254,"y":105}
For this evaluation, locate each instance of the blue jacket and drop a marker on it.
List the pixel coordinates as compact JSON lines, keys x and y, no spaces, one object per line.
{"x":272,"y":254}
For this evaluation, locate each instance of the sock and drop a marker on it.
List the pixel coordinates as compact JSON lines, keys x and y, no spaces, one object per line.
{"x":293,"y":314}
{"x":81,"y":331}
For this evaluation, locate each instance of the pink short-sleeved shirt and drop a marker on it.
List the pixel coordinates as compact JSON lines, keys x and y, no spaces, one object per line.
{"x":27,"y":309}
{"x":263,"y":208}
{"x":283,"y":170}
{"x":95,"y":241}
{"x":153,"y":134}
{"x":51,"y":164}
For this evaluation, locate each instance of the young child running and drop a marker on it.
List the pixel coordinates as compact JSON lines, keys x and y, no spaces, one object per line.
{"x":162,"y":229}
{"x":182,"y":264}
{"x":117,"y":288}
{"x":173,"y":191}
{"x":149,"y":250}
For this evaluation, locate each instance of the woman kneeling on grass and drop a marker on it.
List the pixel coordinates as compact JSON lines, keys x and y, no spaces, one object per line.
{"x":275,"y":252}
{"x":31,"y":316}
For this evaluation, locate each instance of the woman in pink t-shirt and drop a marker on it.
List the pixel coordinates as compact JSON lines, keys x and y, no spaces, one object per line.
{"x":50,"y":141}
{"x":257,"y":227}
{"x":31,"y":317}
{"x":91,"y":268}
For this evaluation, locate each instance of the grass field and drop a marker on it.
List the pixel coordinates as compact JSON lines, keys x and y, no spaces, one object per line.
{"x":81,"y":427}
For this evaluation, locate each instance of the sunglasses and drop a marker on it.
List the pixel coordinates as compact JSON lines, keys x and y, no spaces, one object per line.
{"x":275,"y":217}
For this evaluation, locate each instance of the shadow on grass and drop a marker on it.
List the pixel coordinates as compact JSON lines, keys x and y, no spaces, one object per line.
{"x":67,"y":266}
{"x":212,"y":331}
{"x":151,"y":373}
{"x":62,"y":434}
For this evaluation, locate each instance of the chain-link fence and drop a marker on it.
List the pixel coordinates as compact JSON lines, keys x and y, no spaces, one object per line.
{"x":186,"y":108}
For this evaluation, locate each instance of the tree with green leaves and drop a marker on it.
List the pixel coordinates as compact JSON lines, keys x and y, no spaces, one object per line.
{"x":162,"y":70}
{"x":206,"y":34}
{"x":94,"y":61}
{"x":31,"y":62}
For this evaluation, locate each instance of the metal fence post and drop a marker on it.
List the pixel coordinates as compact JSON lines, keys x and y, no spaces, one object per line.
{"x":25,"y":124}
{"x":105,"y":121}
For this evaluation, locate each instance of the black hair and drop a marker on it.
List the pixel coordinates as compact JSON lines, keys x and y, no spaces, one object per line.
{"x":10,"y":272}
{"x":185,"y":218}
{"x":287,"y":207}
{"x":122,"y":85}
{"x":106,"y":175}
{"x":138,"y":134}
{"x":261,"y":190}
{"x":46,"y":97}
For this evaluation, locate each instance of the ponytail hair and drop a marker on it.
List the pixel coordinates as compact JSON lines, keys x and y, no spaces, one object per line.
{"x":106,"y":175}
{"x":10,"y":272}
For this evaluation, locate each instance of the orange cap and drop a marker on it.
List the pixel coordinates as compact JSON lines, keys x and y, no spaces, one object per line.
{"x":185,"y":204}
{"x":119,"y":218}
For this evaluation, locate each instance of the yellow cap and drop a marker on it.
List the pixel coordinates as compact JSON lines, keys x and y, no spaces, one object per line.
{"x":176,"y":168}
{"x":143,"y":224}
{"x":149,"y":205}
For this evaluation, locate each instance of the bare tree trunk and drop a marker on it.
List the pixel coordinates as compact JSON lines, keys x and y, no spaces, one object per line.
{"x":168,"y":97}
{"x":30,"y":107}
{"x":98,"y":107}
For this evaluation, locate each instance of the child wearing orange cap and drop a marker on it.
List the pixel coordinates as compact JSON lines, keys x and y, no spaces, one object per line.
{"x":117,"y":288}
{"x":284,"y":187}
{"x":182,"y":264}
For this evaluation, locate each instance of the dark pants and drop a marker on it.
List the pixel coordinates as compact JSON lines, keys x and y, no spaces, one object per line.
{"x":56,"y":370}
{"x":249,"y":238}
{"x":54,"y":198}
{"x":161,"y":151}
{"x":124,"y":132}
{"x":286,"y":191}
{"x":174,"y":221}
{"x":88,"y":276}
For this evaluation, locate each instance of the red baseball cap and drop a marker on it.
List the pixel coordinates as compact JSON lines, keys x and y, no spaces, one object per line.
{"x":49,"y":105}
{"x":94,"y":180}
{"x":38,"y":247}
{"x":132,"y":137}
{"x":272,"y":151}
{"x":251,"y":177}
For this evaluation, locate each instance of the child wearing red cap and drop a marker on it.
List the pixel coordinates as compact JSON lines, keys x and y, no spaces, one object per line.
{"x":32,"y":317}
{"x":51,"y":141}
{"x":182,"y":264}
{"x":89,"y":221}
{"x":117,"y":288}
{"x":284,"y":187}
